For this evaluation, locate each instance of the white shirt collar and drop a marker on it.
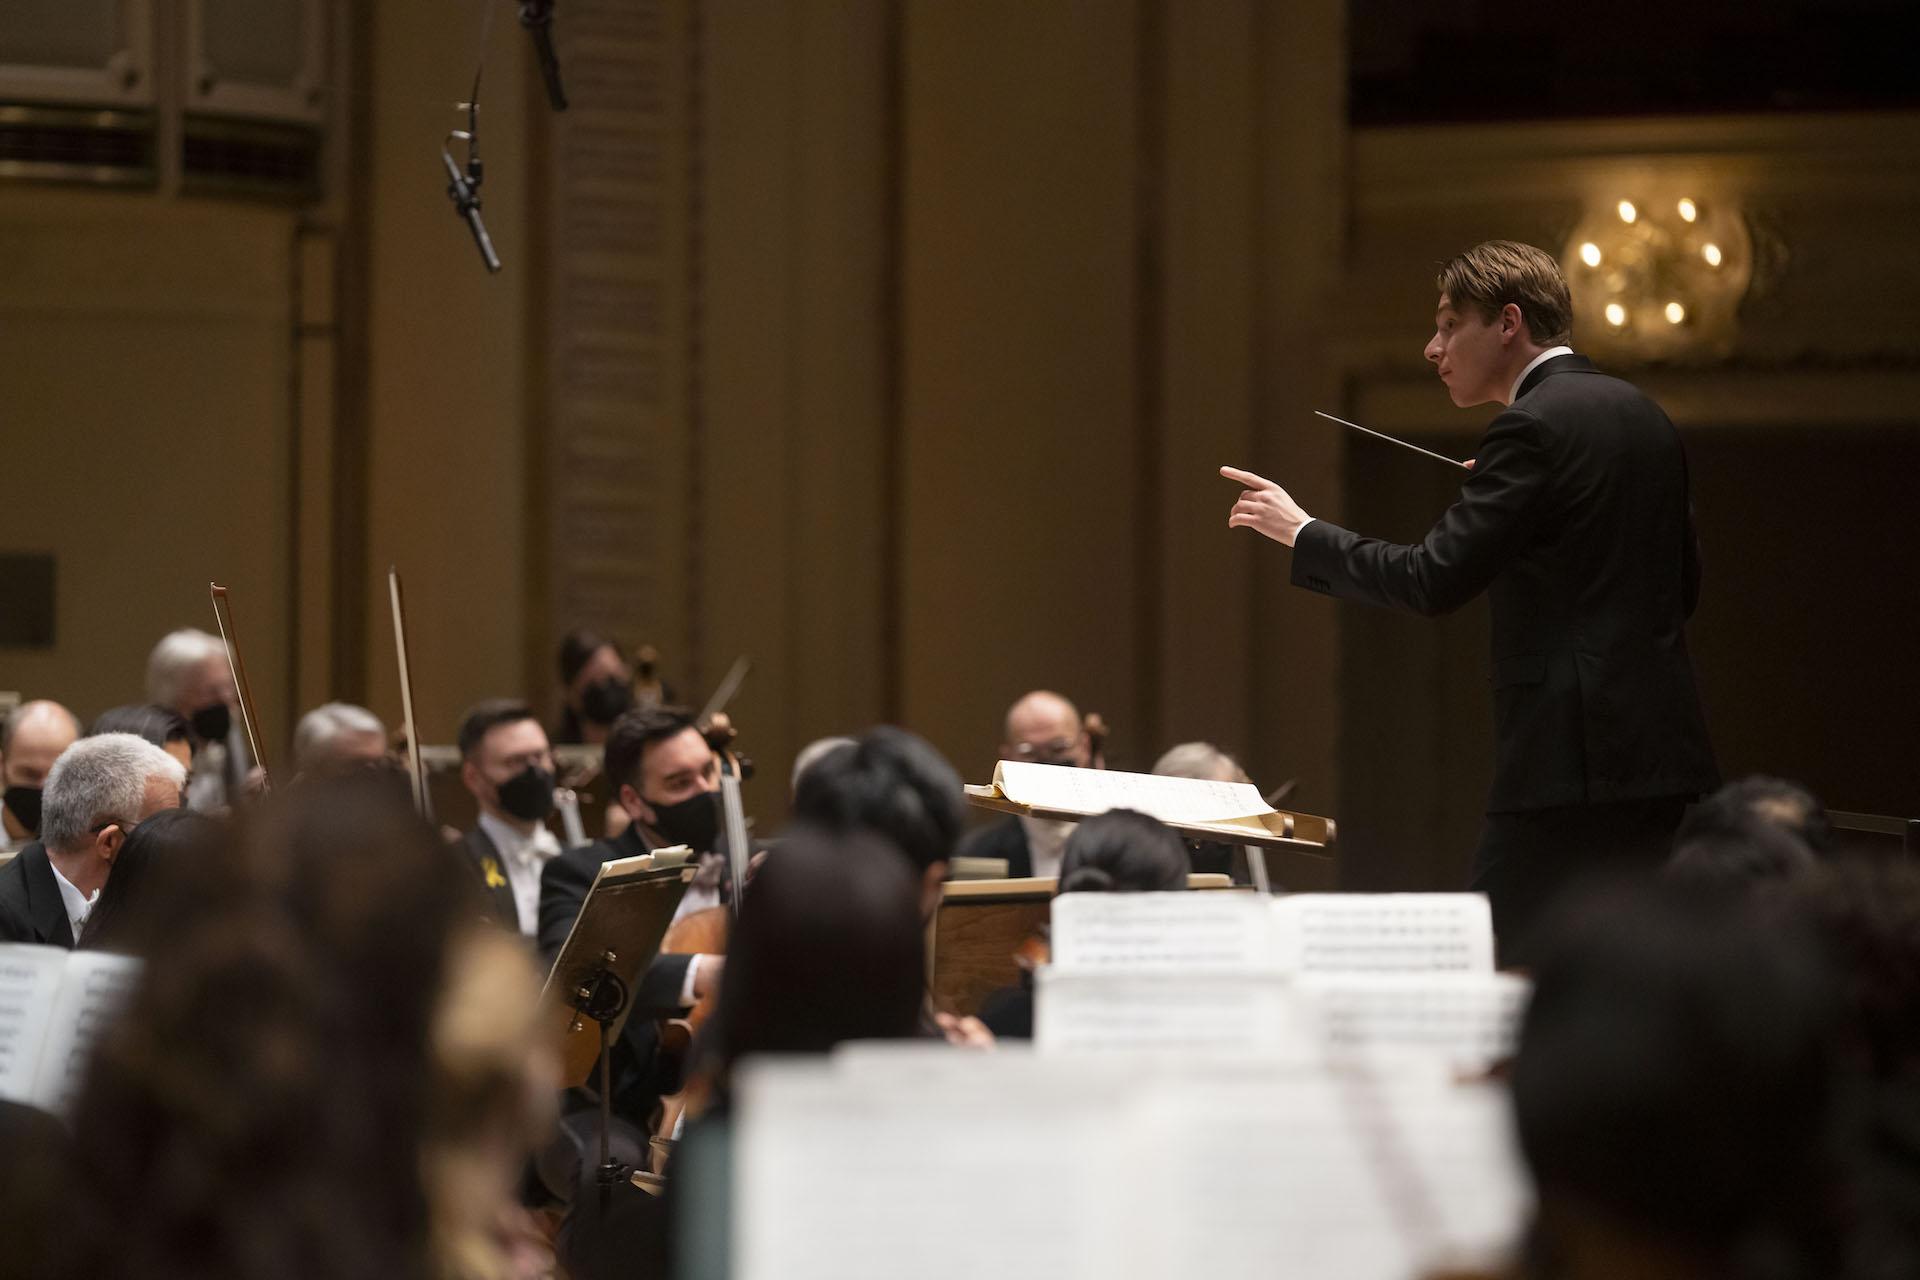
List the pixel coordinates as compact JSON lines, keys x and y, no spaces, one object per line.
{"x":535,"y":849}
{"x":1533,"y":364}
{"x":78,"y":905}
{"x":524,"y":856}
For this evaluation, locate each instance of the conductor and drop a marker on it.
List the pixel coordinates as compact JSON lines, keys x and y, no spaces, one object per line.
{"x":1575,"y":519}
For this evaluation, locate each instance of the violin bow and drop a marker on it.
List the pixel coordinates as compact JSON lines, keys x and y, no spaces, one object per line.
{"x":249,"y":718}
{"x":416,"y":771}
{"x":738,"y":849}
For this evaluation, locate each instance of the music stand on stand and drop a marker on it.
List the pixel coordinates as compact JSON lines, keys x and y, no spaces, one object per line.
{"x":615,"y":937}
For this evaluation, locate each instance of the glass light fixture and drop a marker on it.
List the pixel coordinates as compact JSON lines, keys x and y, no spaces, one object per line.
{"x":1627,"y":212}
{"x":1676,"y":314}
{"x":1590,"y":254}
{"x":1711,"y":252}
{"x":1616,"y":315}
{"x":1688,"y":210}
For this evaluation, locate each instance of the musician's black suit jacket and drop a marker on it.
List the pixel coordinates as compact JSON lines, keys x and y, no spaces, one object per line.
{"x":1007,"y":839}
{"x":1577,"y":524}
{"x":484,"y":855}
{"x":30,"y":905}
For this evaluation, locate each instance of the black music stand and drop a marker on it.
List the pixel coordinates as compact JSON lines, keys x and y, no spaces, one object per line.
{"x":614,"y":938}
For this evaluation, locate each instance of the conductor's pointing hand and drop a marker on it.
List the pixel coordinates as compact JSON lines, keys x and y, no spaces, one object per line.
{"x":1265,"y":506}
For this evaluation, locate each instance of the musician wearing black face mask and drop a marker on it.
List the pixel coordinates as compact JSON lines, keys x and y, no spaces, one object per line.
{"x":507,"y":765}
{"x":598,"y":684}
{"x":32,"y":736}
{"x":667,"y":779}
{"x":187,"y":672}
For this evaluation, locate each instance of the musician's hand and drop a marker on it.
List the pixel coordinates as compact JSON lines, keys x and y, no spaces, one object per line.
{"x":965,"y":1033}
{"x":1265,"y":506}
{"x":706,"y":976}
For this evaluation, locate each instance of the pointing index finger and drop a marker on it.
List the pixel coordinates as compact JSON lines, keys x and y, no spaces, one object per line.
{"x":1247,"y":478}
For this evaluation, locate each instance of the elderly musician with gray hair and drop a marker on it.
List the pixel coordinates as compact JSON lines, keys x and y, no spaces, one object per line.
{"x":337,"y":737}
{"x":97,"y":792}
{"x":188,"y":672}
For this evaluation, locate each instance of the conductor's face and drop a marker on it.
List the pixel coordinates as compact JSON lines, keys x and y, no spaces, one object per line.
{"x":1471,"y":353}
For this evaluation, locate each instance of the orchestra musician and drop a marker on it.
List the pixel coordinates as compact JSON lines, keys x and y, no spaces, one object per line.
{"x":189,"y":672}
{"x":32,"y":736}
{"x":1041,"y":728}
{"x":598,"y":686}
{"x":506,"y":763}
{"x":1575,"y":520}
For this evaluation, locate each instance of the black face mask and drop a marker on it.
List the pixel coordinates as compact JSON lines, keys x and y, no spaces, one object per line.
{"x":694,"y":822}
{"x":24,"y":804}
{"x":212,"y":722}
{"x":604,"y":700}
{"x":528,"y":794}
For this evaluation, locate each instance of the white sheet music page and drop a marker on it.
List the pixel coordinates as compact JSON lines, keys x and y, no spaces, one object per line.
{"x":1383,"y":932}
{"x":1091,"y":791}
{"x":29,"y":978}
{"x":1472,"y":1019}
{"x":1006,"y":1173}
{"x":95,"y":987}
{"x":1199,"y":1011}
{"x":1180,"y":930}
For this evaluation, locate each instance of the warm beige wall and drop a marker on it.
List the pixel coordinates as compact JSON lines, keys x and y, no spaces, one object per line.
{"x":144,"y":351}
{"x":1021,"y":437}
{"x":447,"y":484}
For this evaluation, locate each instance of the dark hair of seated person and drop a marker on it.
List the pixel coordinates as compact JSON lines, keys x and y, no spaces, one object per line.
{"x":891,"y":783}
{"x":1733,"y":851}
{"x":260,"y":1106}
{"x":1123,"y":851}
{"x":484,"y":716}
{"x":157,"y":724}
{"x":1675,"y":1090}
{"x":1785,"y":805}
{"x":828,"y":948}
{"x":630,"y":736}
{"x":140,"y":900}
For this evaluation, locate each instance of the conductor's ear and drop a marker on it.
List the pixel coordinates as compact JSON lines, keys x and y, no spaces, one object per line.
{"x":1512,"y":323}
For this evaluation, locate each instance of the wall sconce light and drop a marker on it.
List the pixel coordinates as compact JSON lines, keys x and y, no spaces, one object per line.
{"x":1659,"y":275}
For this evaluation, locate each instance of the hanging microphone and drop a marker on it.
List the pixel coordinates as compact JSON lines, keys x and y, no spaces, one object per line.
{"x":537,"y":17}
{"x":463,"y":188}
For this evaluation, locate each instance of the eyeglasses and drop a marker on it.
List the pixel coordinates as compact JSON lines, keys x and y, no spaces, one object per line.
{"x":1059,"y":751}
{"x":126,"y":828}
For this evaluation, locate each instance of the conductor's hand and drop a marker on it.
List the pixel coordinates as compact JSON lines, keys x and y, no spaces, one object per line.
{"x":1265,"y":506}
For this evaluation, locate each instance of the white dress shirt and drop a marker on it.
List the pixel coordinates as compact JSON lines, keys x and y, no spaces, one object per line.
{"x":1046,"y":843}
{"x":1533,"y":364}
{"x":523,"y":857}
{"x":78,"y":905}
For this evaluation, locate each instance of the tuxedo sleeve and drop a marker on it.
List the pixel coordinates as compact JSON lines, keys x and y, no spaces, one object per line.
{"x":563,"y":889}
{"x":660,"y":984}
{"x":1478,"y":536}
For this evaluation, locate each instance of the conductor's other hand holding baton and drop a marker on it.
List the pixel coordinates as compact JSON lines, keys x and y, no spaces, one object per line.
{"x":1266,"y":507}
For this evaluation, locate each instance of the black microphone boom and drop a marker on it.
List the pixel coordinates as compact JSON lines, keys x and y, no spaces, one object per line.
{"x":465,"y":195}
{"x":537,"y":17}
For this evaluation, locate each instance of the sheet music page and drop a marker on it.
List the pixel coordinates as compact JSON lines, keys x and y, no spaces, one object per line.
{"x":1473,"y":1019}
{"x":1383,"y":932}
{"x":1258,"y":1178}
{"x":1366,"y":1176}
{"x":842,"y":1176}
{"x":1201,"y":1011}
{"x":29,"y":978}
{"x":1180,"y":930}
{"x":95,"y":987}
{"x":884,"y":1162}
{"x":1091,"y":791}
{"x":1461,"y":1140}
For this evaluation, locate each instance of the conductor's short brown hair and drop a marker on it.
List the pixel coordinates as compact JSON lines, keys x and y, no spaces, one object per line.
{"x":1489,"y":276}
